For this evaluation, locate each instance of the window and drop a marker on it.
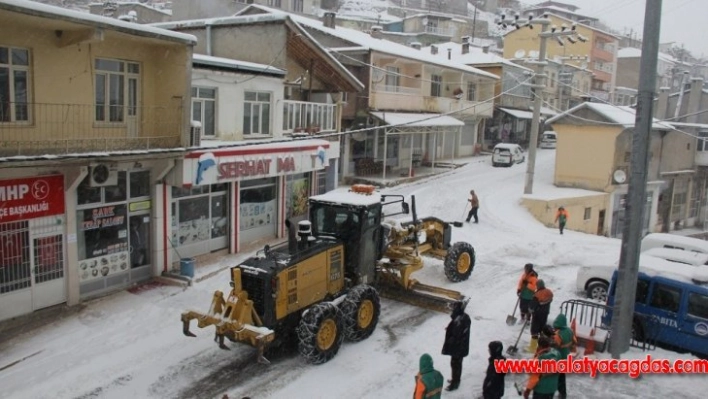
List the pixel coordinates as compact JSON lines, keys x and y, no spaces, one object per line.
{"x":678,"y":205}
{"x":642,"y":291}
{"x":552,"y":82}
{"x":204,"y":108}
{"x":113,"y":79}
{"x":298,"y":5}
{"x":14,"y":84}
{"x":698,"y":305}
{"x":256,"y":113}
{"x":627,"y":157}
{"x":588,"y":212}
{"x":471,"y":91}
{"x":666,"y":298}
{"x":435,"y":85}
{"x":702,"y":141}
{"x":392,"y":78}
{"x":695,"y":198}
{"x":275,"y":3}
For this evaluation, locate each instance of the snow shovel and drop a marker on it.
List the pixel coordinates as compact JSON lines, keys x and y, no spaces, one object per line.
{"x":511,"y":319}
{"x":513,"y":350}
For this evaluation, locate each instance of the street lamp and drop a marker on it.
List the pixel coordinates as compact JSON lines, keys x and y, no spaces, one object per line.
{"x":547,"y":31}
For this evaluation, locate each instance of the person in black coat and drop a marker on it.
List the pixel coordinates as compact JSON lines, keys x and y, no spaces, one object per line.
{"x":493,"y":386}
{"x":457,"y":342}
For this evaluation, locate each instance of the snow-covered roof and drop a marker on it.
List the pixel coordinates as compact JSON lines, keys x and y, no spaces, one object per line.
{"x":365,"y":40}
{"x":241,"y":66}
{"x":632,"y":52}
{"x":345,"y":197}
{"x":560,"y":9}
{"x":137,"y":4}
{"x":52,"y":12}
{"x":657,"y":267}
{"x":476,"y":56}
{"x":679,"y":255}
{"x":651,"y":240}
{"x":408,"y":119}
{"x":620,"y":115}
{"x":517,"y":113}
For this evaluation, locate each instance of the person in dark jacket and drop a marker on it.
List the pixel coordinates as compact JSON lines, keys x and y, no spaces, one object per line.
{"x":540,"y":307}
{"x":493,"y":386}
{"x":457,"y":342}
{"x":428,"y":381}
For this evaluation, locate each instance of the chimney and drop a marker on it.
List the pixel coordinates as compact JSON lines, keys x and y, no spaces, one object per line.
{"x":662,"y":103}
{"x":485,"y":49}
{"x":449,"y":54}
{"x":416,"y":45}
{"x":376,"y":31}
{"x":329,"y":20}
{"x":433,"y":49}
{"x":465,"y":44}
{"x":694,"y":99}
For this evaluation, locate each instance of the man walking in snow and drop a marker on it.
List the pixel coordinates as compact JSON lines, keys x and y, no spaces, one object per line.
{"x":561,"y":218}
{"x":565,"y":341}
{"x":428,"y":381}
{"x":525,"y":290}
{"x":474,"y":203}
{"x":540,"y":307}
{"x":457,"y":342}
{"x":493,"y":386}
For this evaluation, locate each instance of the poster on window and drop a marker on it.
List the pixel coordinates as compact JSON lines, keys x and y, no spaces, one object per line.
{"x":256,"y":214}
{"x":103,"y":266}
{"x":298,"y":193}
{"x":102,"y":231}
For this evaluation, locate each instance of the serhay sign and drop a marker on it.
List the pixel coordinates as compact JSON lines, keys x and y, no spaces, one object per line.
{"x":30,"y":198}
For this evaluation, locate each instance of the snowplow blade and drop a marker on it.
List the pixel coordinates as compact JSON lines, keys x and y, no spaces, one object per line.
{"x":422,"y":295}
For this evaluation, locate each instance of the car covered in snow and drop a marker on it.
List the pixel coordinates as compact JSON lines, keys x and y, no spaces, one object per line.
{"x":548,"y":139}
{"x":673,"y":241}
{"x":594,"y":281}
{"x":506,"y":154}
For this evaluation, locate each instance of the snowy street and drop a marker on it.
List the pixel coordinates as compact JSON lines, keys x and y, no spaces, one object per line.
{"x":130,"y":345}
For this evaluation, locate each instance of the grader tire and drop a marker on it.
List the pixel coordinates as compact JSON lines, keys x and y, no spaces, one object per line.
{"x":320,"y":333}
{"x":360,"y":310}
{"x":459,"y":261}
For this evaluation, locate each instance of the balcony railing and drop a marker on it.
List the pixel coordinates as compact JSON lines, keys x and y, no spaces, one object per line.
{"x":307,"y":117}
{"x":438,"y":31}
{"x":54,"y":129}
{"x":398,"y":89}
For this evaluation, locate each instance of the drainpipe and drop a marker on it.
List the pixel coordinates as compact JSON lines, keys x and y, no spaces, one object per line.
{"x":208,"y":38}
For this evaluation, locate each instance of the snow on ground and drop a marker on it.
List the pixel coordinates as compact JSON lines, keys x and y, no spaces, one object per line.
{"x":131,"y":345}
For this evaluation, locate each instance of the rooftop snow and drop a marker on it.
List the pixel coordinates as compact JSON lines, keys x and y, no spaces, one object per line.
{"x":236,"y":64}
{"x":620,"y":115}
{"x":346,"y":197}
{"x":380,"y":45}
{"x":518,"y":114}
{"x":561,"y":9}
{"x":395,"y":118}
{"x":476,"y":55}
{"x":632,"y":52}
{"x":52,"y":12}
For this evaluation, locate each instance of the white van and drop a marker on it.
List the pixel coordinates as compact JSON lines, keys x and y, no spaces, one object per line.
{"x":673,"y":241}
{"x":505,"y":154}
{"x":548,"y":139}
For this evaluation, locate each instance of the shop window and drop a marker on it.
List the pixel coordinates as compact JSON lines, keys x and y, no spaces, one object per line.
{"x":14,"y":256}
{"x":666,"y":298}
{"x":118,"y":192}
{"x":140,"y":184}
{"x":322,"y":180}
{"x":87,"y":195}
{"x":102,"y":231}
{"x":199,"y":214}
{"x":257,"y":203}
{"x":698,"y":305}
{"x":297,"y":192}
{"x":14,"y":84}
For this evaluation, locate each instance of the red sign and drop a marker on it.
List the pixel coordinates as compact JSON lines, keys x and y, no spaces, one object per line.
{"x":255,"y":167}
{"x":30,"y":198}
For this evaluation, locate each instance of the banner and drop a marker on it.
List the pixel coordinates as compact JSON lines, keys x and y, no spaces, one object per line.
{"x":33,"y":197}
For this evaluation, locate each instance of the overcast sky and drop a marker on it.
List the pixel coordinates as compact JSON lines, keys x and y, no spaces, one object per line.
{"x":683,"y":21}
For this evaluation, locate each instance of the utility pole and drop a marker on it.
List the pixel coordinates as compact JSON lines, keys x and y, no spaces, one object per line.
{"x":563,"y":83}
{"x":539,"y":77}
{"x":628,"y":270}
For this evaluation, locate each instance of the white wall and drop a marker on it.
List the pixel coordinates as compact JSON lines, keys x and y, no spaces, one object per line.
{"x":230,"y":96}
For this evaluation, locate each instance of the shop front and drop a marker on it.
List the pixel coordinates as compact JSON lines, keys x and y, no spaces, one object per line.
{"x":32,"y":251}
{"x":113,"y":233}
{"x":230,"y":198}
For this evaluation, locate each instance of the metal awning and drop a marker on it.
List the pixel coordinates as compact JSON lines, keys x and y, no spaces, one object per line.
{"x":518,"y":114}
{"x":417,"y":120}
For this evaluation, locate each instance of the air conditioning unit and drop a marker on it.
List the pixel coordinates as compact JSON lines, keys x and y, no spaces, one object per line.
{"x":101,"y":175}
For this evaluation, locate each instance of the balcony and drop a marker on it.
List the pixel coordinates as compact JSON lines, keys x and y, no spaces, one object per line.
{"x":412,"y":101}
{"x":56,"y":129}
{"x":515,"y":101}
{"x":439,"y":31}
{"x":307,"y":117}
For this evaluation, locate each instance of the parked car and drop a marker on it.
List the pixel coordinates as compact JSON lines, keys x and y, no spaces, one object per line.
{"x":505,"y":154}
{"x":675,"y":241}
{"x":548,"y":139}
{"x":671,"y":308}
{"x":594,"y":281}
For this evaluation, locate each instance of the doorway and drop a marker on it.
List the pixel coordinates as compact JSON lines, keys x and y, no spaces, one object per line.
{"x":139,"y":241}
{"x":601,"y":223}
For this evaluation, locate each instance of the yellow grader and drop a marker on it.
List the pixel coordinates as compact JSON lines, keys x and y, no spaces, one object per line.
{"x":323,"y":284}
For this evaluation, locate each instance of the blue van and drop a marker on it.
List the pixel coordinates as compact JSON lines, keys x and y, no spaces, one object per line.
{"x":671,"y":309}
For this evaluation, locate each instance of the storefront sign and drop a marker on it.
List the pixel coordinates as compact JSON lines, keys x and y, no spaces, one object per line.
{"x":103,"y":217}
{"x":30,"y":198}
{"x":255,"y":168}
{"x":140,"y":206}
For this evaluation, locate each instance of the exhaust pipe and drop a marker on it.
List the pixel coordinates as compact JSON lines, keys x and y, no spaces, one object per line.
{"x":292,"y":236}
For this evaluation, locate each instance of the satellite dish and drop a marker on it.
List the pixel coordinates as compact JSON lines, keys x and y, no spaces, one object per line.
{"x":519,"y":53}
{"x":533,"y":54}
{"x":620,"y":176}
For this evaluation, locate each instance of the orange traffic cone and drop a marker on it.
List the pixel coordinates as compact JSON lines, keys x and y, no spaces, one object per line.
{"x":572,"y":325}
{"x":590,"y":345}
